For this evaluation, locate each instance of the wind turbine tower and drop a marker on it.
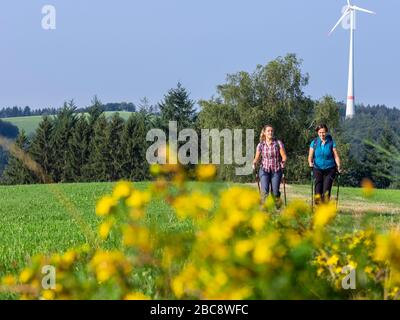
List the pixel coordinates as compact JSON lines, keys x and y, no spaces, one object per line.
{"x":350,"y":11}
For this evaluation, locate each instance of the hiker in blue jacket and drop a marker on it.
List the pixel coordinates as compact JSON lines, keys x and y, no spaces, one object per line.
{"x":324,"y":160}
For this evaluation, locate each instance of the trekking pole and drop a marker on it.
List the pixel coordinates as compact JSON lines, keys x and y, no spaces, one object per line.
{"x":312,"y":190}
{"x":284,"y":186}
{"x":337,"y":194}
{"x":257,"y":178}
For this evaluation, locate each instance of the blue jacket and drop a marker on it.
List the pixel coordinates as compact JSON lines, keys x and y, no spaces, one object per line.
{"x":323,"y":154}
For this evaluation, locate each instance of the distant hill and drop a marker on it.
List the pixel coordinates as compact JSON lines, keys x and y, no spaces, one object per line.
{"x":30,"y":123}
{"x":12,"y":112}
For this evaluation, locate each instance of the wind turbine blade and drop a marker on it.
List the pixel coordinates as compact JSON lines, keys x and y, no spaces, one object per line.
{"x":363,"y":10}
{"x":340,"y":20}
{"x":348,"y":3}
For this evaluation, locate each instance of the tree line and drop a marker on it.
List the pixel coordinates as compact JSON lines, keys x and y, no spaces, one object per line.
{"x":88,"y":147}
{"x":15,"y":111}
{"x":76,"y":148}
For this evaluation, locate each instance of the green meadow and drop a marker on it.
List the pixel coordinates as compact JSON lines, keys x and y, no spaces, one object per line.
{"x":51,"y":218}
{"x":30,"y":123}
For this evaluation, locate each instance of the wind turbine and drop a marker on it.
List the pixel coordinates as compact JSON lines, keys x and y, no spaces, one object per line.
{"x":350,"y":10}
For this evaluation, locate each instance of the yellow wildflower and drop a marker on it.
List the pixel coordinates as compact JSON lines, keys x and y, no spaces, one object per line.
{"x":68,"y":257}
{"x":107,"y":264}
{"x":194,"y":205}
{"x":239,"y":198}
{"x":206,"y":172}
{"x":367,"y":188}
{"x":134,"y":236}
{"x":240,"y":293}
{"x":242,"y":247}
{"x":105,"y":228}
{"x":368,"y":270}
{"x":138,"y":199}
{"x":155,"y":169}
{"x":9,"y":280}
{"x":136,"y":296}
{"x":104,"y":205}
{"x":122,"y":190}
{"x":382,"y":249}
{"x":178,"y":286}
{"x":48,"y":295}
{"x":263,"y":252}
{"x":333,"y":260}
{"x":324,"y":213}
{"x":25,"y":275}
{"x":258,"y":220}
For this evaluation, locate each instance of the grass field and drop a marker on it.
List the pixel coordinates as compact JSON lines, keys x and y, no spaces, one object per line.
{"x":51,"y":218}
{"x":30,"y":123}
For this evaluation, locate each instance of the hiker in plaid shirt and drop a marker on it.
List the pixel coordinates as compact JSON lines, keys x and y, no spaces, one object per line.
{"x":273,"y":158}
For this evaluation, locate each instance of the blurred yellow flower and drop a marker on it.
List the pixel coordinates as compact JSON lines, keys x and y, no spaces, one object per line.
{"x":155,"y":169}
{"x":136,"y":296}
{"x":367,"y":188}
{"x":240,"y":198}
{"x":122,"y":190}
{"x":138,"y":199}
{"x":25,"y":275}
{"x":9,"y":280}
{"x":382,"y":249}
{"x":107,"y":263}
{"x":219,"y":233}
{"x":324,"y":214}
{"x":263,"y":248}
{"x":104,"y":205}
{"x":368,"y":270}
{"x":178,"y":286}
{"x":48,"y":295}
{"x":68,"y":257}
{"x":194,"y":205}
{"x":332,"y":261}
{"x":205,"y":172}
{"x":243,"y":247}
{"x":258,"y":221}
{"x":388,"y":248}
{"x":104,"y":229}
{"x":135,"y":236}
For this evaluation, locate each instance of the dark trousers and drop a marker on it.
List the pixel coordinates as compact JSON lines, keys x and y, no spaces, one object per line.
{"x":323,"y":183}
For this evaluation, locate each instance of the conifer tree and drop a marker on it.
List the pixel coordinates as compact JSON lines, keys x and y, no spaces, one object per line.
{"x":94,"y":113}
{"x":135,"y":166}
{"x":78,"y":155}
{"x":177,"y":106}
{"x":63,"y":127}
{"x":98,"y":157}
{"x":41,"y":147}
{"x":114,"y":160}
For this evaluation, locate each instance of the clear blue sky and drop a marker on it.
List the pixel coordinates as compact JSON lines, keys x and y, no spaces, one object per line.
{"x":123,"y":50}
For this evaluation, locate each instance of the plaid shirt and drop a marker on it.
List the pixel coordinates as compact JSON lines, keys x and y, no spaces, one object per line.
{"x":270,"y":155}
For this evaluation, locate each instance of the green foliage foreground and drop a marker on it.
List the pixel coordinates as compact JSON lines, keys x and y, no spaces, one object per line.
{"x":171,"y":239}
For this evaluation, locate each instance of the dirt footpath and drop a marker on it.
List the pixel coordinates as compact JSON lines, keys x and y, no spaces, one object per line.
{"x":355,"y":205}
